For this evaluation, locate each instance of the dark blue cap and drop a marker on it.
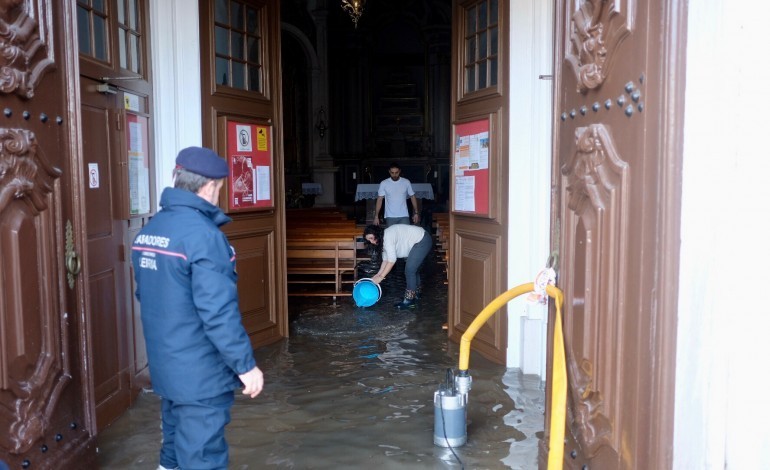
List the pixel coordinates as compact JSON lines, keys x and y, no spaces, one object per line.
{"x":202,"y":161}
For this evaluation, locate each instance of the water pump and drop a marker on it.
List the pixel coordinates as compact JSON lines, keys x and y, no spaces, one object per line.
{"x":450,"y":402}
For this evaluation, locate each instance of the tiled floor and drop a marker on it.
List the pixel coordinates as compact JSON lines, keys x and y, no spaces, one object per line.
{"x":352,"y":388}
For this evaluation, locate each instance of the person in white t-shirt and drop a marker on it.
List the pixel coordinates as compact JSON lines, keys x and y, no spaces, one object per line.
{"x":401,"y":241}
{"x":395,"y":191}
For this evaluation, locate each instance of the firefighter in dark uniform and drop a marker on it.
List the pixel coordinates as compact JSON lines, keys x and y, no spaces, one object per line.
{"x":198,"y":350}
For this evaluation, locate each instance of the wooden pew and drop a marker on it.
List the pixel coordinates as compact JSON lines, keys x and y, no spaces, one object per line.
{"x":321,"y":255}
{"x":321,"y":266}
{"x":442,"y":242}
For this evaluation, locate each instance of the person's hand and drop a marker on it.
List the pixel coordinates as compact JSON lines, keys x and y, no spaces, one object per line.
{"x":376,"y":220}
{"x":253,"y":381}
{"x":416,"y":218}
{"x":378,"y":278}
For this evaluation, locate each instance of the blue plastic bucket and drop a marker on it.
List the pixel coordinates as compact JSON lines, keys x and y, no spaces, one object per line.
{"x":366,"y":292}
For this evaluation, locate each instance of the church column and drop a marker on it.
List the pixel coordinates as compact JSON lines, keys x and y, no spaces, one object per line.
{"x":324,"y":171}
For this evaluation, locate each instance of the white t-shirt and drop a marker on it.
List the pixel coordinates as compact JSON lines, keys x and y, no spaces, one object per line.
{"x":395,"y":194}
{"x":399,"y":239}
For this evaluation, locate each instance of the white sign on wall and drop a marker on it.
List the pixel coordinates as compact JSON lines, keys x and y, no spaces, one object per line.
{"x":93,"y":175}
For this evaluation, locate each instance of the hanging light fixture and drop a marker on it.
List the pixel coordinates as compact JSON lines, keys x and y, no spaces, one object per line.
{"x":355,"y":9}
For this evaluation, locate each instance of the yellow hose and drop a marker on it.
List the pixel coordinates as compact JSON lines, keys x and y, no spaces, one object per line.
{"x":559,"y":371}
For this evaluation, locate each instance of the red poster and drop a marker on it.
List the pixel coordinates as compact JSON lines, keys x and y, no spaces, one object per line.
{"x":471,"y":167}
{"x":249,"y":153}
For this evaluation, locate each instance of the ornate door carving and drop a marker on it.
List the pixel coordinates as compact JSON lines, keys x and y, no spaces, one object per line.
{"x":615,"y":169}
{"x":45,"y":409}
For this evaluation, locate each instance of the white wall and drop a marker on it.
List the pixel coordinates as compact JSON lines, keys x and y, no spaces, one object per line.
{"x":531,"y":46}
{"x":176,"y":80}
{"x":722,"y":412}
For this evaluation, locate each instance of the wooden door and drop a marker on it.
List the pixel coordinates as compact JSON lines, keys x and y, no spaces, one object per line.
{"x":617,"y":167}
{"x":478,"y":269}
{"x":114,"y":58}
{"x":241,"y":82}
{"x":46,"y":408}
{"x":107,"y":266}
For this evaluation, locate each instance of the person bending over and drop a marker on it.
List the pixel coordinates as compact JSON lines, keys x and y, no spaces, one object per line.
{"x":401,"y":241}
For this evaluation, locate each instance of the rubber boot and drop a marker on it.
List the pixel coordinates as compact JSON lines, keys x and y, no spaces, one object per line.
{"x":418,"y":293}
{"x":409,"y":300}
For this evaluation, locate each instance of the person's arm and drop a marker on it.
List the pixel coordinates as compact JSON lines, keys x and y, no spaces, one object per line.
{"x":416,"y":215}
{"x":385,"y":268}
{"x":215,"y":296}
{"x":377,"y":208}
{"x":388,"y":257}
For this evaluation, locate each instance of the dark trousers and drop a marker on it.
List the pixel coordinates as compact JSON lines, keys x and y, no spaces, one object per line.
{"x":413,"y":262}
{"x":194,"y":433}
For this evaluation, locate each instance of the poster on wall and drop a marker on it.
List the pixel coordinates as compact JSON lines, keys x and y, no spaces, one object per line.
{"x":249,"y":154}
{"x":471,"y":167}
{"x":138,"y":165}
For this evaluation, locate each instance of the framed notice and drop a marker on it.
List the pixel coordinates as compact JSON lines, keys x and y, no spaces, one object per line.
{"x":471,"y":168}
{"x":137,"y":147}
{"x":249,"y":152}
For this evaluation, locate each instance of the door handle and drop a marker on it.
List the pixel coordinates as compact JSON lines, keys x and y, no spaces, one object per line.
{"x":73,"y":263}
{"x":71,"y":259}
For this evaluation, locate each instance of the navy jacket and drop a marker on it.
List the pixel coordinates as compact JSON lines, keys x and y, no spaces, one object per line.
{"x":186,"y":283}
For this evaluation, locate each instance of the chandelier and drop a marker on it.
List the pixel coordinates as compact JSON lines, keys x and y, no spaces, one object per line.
{"x":355,"y":9}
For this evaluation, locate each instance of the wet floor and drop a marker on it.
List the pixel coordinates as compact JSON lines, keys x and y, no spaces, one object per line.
{"x":352,"y":388}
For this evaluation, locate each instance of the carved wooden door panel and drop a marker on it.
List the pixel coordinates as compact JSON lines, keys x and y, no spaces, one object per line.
{"x":615,"y":220}
{"x":46,"y":417}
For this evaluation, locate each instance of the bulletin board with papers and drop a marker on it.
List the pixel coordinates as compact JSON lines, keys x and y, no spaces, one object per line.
{"x":471,"y":168}
{"x":138,"y":164}
{"x":249,"y":153}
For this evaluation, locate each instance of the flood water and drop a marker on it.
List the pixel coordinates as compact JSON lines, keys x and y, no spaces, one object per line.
{"x":352,"y":388}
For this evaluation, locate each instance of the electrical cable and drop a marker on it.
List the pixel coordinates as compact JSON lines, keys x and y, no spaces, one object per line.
{"x":450,"y":379}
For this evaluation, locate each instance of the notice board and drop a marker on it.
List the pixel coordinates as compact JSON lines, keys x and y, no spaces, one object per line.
{"x":138,"y":155}
{"x":471,"y":168}
{"x":249,"y":153}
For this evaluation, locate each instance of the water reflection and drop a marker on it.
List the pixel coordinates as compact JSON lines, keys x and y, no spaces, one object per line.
{"x":353,"y":388}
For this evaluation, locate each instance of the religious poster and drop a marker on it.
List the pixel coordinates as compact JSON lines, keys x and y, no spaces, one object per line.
{"x":250,"y":159}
